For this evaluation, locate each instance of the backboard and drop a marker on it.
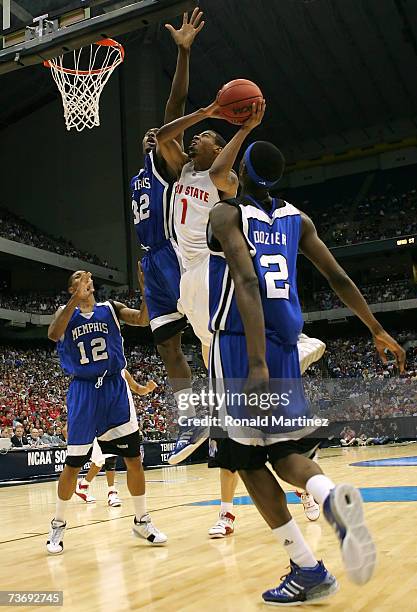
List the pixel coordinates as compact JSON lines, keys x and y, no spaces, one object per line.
{"x":31,"y":35}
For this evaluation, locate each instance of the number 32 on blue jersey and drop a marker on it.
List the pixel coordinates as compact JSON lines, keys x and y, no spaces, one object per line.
{"x":141,"y":211}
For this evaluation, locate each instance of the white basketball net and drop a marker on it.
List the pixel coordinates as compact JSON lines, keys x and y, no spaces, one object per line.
{"x":82,"y":84}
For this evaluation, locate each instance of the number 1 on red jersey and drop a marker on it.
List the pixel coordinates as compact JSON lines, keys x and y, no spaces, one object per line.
{"x":184,"y":210}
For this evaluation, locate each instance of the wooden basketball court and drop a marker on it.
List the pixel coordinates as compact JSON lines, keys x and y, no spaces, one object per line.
{"x":105,"y":568}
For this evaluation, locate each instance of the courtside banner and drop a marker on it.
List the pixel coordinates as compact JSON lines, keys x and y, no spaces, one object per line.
{"x":27,"y":464}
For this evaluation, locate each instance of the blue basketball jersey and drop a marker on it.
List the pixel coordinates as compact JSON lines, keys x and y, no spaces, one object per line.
{"x":92,"y":345}
{"x":152,"y":205}
{"x":272,"y":239}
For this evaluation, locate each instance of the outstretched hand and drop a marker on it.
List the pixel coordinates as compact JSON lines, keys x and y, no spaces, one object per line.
{"x":213,"y":111}
{"x":151,"y":386}
{"x":256,"y":386}
{"x":384,"y":341}
{"x":258,"y":112}
{"x":184,"y":37}
{"x":85,"y":287}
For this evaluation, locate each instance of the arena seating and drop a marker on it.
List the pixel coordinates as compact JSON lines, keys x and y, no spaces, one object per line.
{"x":375,"y":293}
{"x":17,"y":229}
{"x":33,"y":390}
{"x":33,"y":387}
{"x":344,"y":214}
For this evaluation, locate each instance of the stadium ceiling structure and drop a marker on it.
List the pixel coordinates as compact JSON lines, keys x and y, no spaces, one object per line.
{"x":335,"y":73}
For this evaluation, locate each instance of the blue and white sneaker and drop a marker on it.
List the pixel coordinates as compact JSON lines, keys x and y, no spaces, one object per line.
{"x":343,"y":510}
{"x":188,"y":440}
{"x":303,"y":585}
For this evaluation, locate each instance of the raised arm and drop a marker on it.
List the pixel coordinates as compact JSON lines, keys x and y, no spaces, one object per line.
{"x":137,"y":388}
{"x":144,"y":318}
{"x":221,"y":172}
{"x":62,"y":316}
{"x":225,"y":225}
{"x":183,"y":38}
{"x":132,"y":316}
{"x":344,"y":287}
{"x":167,"y":135}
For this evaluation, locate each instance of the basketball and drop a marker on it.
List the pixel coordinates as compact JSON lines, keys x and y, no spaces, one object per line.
{"x":236,"y":98}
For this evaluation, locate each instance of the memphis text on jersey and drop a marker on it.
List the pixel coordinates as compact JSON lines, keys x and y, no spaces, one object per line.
{"x":88,"y":328}
{"x":142,"y":183}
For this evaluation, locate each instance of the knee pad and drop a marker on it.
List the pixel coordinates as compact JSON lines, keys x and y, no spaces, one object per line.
{"x":110,"y":464}
{"x":77,"y":461}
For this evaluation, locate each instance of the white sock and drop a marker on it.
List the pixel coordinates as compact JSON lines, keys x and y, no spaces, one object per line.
{"x":185,"y":408}
{"x":291,"y":538}
{"x":85,"y":483}
{"x":226,"y":507}
{"x":60,"y":509}
{"x":319,"y":486}
{"x":111,"y":487}
{"x":139,"y":502}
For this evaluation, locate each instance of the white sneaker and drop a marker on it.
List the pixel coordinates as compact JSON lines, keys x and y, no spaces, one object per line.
{"x":343,"y":508}
{"x":146,"y":529}
{"x":223,"y":527}
{"x":311,"y":508}
{"x":55,"y":544}
{"x":310,"y":350}
{"x":113,"y":499}
{"x":82,"y":491}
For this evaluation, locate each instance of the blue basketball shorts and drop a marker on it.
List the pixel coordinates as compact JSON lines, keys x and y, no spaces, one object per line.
{"x":106,"y":412}
{"x":162,"y":269}
{"x":279,"y":413}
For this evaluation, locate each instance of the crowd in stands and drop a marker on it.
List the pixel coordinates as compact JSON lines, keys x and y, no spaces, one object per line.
{"x":387,"y":212}
{"x":33,"y":389}
{"x":361,"y":208}
{"x":377,"y":217}
{"x":44,"y":303}
{"x":32,"y":302}
{"x":353,"y":384}
{"x":17,"y":229}
{"x":374,"y":294}
{"x":357,"y":358}
{"x":40,"y":303}
{"x":350,"y":384}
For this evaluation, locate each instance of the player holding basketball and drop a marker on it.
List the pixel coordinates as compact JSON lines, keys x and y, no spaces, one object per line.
{"x":205,"y":176}
{"x":256,"y":319}
{"x":99,"y":401}
{"x":98,"y":459}
{"x":152,"y":215}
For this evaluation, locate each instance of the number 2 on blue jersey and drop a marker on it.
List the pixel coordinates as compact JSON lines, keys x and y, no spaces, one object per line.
{"x":272,"y":277}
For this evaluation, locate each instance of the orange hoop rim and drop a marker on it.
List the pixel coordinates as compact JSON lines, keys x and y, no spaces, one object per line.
{"x":106,"y":42}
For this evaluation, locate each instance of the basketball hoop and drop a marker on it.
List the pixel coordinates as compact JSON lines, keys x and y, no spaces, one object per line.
{"x":81,"y":85}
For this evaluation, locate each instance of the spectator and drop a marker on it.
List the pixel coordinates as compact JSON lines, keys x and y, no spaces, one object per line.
{"x":60,"y":436}
{"x":34,"y":439}
{"x":43,"y":437}
{"x":19,"y":439}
